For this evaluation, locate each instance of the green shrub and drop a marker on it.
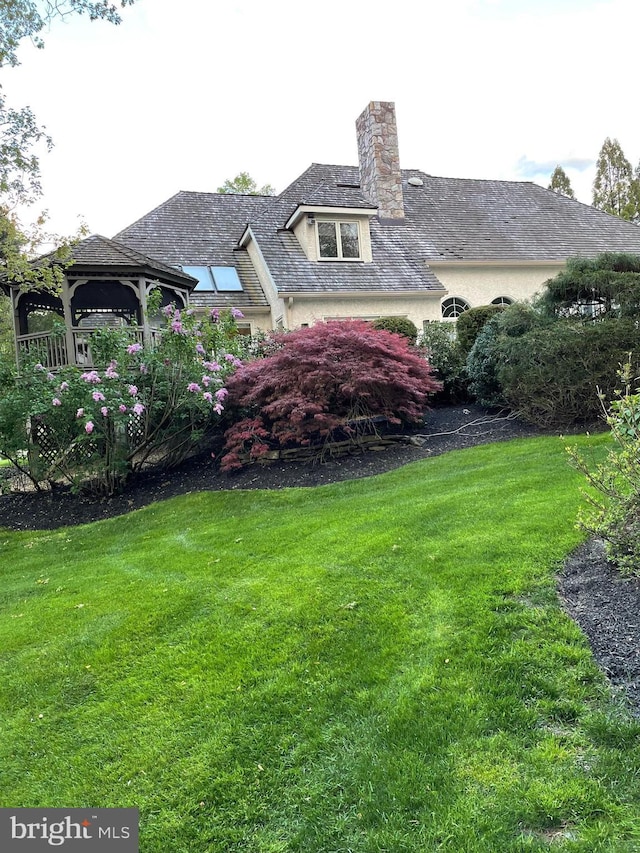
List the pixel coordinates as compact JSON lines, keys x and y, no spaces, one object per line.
{"x":471,"y":322}
{"x":399,"y":326}
{"x":439,"y":343}
{"x":613,"y":513}
{"x":487,"y":359}
{"x":92,"y":428}
{"x":548,"y":369}
{"x":551,"y":375}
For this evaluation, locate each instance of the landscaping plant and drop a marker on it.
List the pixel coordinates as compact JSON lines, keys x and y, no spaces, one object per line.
{"x":325,"y":380}
{"x":548,"y":368}
{"x":471,"y":322}
{"x":613,"y":511}
{"x":439,"y":342}
{"x":399,"y":326}
{"x":93,"y":428}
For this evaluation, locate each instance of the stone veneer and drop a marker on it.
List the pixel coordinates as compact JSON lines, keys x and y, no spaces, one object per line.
{"x":379,"y":158}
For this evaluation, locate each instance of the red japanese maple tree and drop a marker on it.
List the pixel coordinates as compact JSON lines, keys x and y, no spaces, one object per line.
{"x":325,"y":380}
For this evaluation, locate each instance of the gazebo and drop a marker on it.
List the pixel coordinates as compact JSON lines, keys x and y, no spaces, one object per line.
{"x":106,"y":283}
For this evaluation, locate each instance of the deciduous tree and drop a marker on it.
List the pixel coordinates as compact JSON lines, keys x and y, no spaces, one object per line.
{"x":20,"y":134}
{"x":613,"y":183}
{"x":560,"y":183}
{"x":244,"y":184}
{"x":326,"y":380}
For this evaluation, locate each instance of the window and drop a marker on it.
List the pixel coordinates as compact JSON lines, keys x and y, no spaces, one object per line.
{"x":216,"y":279}
{"x":453,"y":307}
{"x":503,"y":301}
{"x":338,"y":241}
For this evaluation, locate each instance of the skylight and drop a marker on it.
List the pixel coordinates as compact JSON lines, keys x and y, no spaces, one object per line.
{"x":226,"y":278}
{"x":216,"y":279}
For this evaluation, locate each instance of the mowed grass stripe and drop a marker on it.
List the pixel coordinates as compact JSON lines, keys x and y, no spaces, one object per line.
{"x":368,"y":666}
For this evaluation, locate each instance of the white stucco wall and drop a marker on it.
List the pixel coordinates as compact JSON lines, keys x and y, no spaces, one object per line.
{"x":481,"y":283}
{"x":308,"y":310}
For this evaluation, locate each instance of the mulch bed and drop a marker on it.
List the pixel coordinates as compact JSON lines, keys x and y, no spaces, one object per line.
{"x":606,"y":606}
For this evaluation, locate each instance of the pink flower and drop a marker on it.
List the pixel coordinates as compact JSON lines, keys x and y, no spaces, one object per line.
{"x":215,"y":315}
{"x":221,"y":394}
{"x":237,"y":314}
{"x":213,"y":366}
{"x":110,"y":372}
{"x":133,"y":390}
{"x":64,"y":386}
{"x":206,"y":380}
{"x":98,"y":396}
{"x":167,"y":310}
{"x":122,"y":408}
{"x":105,"y":411}
{"x":91,"y":376}
{"x":40,"y":367}
{"x":88,"y":427}
{"x":208,"y":396}
{"x":218,"y":408}
{"x":193,"y":387}
{"x":80,"y":413}
{"x":50,"y":377}
{"x":144,"y":368}
{"x":138,"y":409}
{"x":132,"y":349}
{"x":199,"y":349}
{"x":176,"y":327}
{"x":56,"y":402}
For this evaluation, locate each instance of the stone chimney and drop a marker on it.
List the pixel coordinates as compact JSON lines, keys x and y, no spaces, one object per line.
{"x":380,"y":176}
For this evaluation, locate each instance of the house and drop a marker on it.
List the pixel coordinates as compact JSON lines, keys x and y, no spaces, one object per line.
{"x":341,"y":241}
{"x":374,"y":240}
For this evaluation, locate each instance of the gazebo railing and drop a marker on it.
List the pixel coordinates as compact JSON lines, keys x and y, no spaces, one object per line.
{"x":44,"y":347}
{"x":50,"y":349}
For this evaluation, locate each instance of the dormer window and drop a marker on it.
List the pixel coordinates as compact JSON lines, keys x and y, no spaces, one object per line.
{"x":338,"y":241}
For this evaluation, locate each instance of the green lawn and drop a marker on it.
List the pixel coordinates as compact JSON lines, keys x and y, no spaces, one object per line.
{"x":380,"y":665}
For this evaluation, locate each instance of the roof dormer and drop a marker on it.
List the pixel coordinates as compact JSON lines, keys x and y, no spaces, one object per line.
{"x":339,"y":234}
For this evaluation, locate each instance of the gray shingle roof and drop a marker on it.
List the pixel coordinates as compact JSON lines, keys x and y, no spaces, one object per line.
{"x":97,"y":253}
{"x":395,"y":267}
{"x":462,"y":219}
{"x":202,"y":229}
{"x":447,"y":219}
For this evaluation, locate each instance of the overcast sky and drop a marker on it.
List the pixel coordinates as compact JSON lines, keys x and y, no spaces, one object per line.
{"x":187,"y":93}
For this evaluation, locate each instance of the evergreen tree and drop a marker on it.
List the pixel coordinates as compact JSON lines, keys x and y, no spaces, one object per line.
{"x":613,"y":184}
{"x":560,"y":183}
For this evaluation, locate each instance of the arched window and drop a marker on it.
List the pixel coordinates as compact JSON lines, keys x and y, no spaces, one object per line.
{"x":453,"y":307}
{"x":502,"y":300}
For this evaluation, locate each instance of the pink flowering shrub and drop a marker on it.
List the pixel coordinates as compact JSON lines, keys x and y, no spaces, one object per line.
{"x":326,"y":380}
{"x":93,"y":428}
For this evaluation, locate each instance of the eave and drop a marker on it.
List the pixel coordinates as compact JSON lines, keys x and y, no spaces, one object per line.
{"x":325,"y":210}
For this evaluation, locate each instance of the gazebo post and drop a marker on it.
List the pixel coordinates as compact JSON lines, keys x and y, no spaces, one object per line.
{"x":146,"y":328}
{"x":13,"y":295}
{"x":68,"y":322}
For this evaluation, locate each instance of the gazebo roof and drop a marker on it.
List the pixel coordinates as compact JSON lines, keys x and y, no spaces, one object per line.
{"x":97,"y":254}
